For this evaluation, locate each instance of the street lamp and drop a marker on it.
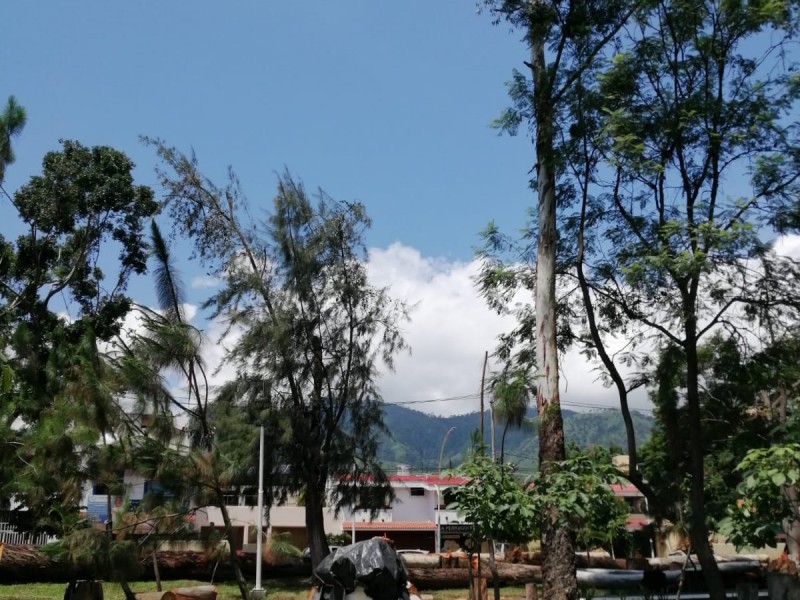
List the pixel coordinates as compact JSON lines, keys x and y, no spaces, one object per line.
{"x":257,"y":593}
{"x":438,"y":497}
{"x":441,"y":451}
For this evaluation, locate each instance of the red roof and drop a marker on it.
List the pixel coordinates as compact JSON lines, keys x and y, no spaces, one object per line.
{"x":625,"y":489}
{"x":390,"y":526}
{"x":637,"y":522}
{"x":429,"y":479}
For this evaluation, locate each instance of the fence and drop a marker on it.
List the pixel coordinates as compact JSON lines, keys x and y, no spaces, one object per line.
{"x":10,"y":535}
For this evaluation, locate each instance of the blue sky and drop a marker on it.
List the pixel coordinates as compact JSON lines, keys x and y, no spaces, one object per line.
{"x":389,"y":103}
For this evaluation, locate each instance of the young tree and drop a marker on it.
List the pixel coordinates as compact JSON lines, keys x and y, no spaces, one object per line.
{"x":312,"y":328}
{"x":496,"y":504}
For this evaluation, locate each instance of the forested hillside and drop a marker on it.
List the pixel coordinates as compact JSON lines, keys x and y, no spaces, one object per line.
{"x":416,"y":438}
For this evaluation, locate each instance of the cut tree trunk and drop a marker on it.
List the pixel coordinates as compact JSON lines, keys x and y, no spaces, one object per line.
{"x":439,"y":579}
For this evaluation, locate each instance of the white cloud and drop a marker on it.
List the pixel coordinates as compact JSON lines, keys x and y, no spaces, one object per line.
{"x":204,"y":282}
{"x":451,"y":327}
{"x":788,"y":245}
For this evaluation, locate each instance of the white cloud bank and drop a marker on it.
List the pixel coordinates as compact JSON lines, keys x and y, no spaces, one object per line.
{"x":451,"y":328}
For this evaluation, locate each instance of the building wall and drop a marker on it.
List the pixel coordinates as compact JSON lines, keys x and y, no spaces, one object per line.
{"x":408,"y":507}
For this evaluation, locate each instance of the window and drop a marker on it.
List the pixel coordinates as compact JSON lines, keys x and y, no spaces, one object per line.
{"x":417,"y":491}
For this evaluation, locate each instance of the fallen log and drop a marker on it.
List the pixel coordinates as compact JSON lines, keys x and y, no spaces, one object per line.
{"x":508,"y":574}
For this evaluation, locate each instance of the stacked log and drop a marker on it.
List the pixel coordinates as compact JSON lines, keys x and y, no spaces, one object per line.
{"x":448,"y":577}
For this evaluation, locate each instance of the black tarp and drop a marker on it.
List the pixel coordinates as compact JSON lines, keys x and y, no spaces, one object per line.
{"x":373,"y":564}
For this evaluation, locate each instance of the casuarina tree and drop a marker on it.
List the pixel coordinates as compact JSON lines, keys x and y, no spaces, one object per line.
{"x":312,"y":331}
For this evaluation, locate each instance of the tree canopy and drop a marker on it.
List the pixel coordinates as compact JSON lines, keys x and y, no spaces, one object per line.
{"x":312,"y":332}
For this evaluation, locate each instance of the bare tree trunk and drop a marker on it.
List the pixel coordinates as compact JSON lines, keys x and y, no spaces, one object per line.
{"x":792,"y":528}
{"x":493,"y":570}
{"x":237,"y":568}
{"x":558,"y":553}
{"x":156,"y":572}
{"x":315,"y":525}
{"x":698,"y":529}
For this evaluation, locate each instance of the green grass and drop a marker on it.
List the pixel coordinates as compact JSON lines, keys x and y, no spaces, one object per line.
{"x":112,"y":591}
{"x":277,"y":589}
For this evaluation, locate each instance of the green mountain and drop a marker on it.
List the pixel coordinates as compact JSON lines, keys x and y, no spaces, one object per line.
{"x":416,"y":438}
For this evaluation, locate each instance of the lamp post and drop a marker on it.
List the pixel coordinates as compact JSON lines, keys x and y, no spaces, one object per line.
{"x":438,"y":497}
{"x":257,"y":593}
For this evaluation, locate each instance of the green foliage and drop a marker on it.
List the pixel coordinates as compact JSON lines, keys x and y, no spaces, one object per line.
{"x":734,"y":394}
{"x":577,"y":494}
{"x":12,"y":121}
{"x":82,"y":210}
{"x":312,"y":328}
{"x":495,"y":502}
{"x":765,"y":501}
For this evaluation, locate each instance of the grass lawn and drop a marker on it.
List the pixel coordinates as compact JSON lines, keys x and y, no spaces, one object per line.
{"x":277,"y":589}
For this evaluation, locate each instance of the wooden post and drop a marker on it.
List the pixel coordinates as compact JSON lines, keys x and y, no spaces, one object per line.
{"x":479,"y":587}
{"x":531,"y":593}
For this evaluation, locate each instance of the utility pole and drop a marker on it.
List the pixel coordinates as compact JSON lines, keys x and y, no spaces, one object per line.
{"x":483,"y":380}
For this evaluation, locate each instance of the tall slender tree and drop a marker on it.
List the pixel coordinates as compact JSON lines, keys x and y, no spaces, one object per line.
{"x":312,"y":329}
{"x":574,"y":33}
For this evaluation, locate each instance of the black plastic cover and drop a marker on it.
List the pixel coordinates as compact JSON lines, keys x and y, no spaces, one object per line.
{"x":372,"y":564}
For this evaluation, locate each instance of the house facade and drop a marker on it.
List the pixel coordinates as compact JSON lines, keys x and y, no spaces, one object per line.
{"x":417,"y":519}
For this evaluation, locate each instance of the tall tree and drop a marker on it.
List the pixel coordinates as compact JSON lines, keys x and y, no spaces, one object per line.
{"x":575,"y":33}
{"x":691,"y":106}
{"x":312,"y":329}
{"x":696,"y":97}
{"x":76,"y":215}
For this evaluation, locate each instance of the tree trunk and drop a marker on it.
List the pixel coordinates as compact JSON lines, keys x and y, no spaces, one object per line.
{"x":315,"y":523}
{"x":558,"y":554}
{"x":697,"y":519}
{"x":126,"y":589}
{"x":493,"y":570}
{"x":792,"y":528}
{"x":156,"y":572}
{"x":237,"y":569}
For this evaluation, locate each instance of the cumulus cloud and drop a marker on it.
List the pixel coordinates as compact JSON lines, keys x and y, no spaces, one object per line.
{"x":204,"y":282}
{"x":450,"y":330}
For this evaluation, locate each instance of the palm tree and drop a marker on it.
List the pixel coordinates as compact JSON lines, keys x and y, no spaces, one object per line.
{"x":169,"y":344}
{"x":512,"y":391}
